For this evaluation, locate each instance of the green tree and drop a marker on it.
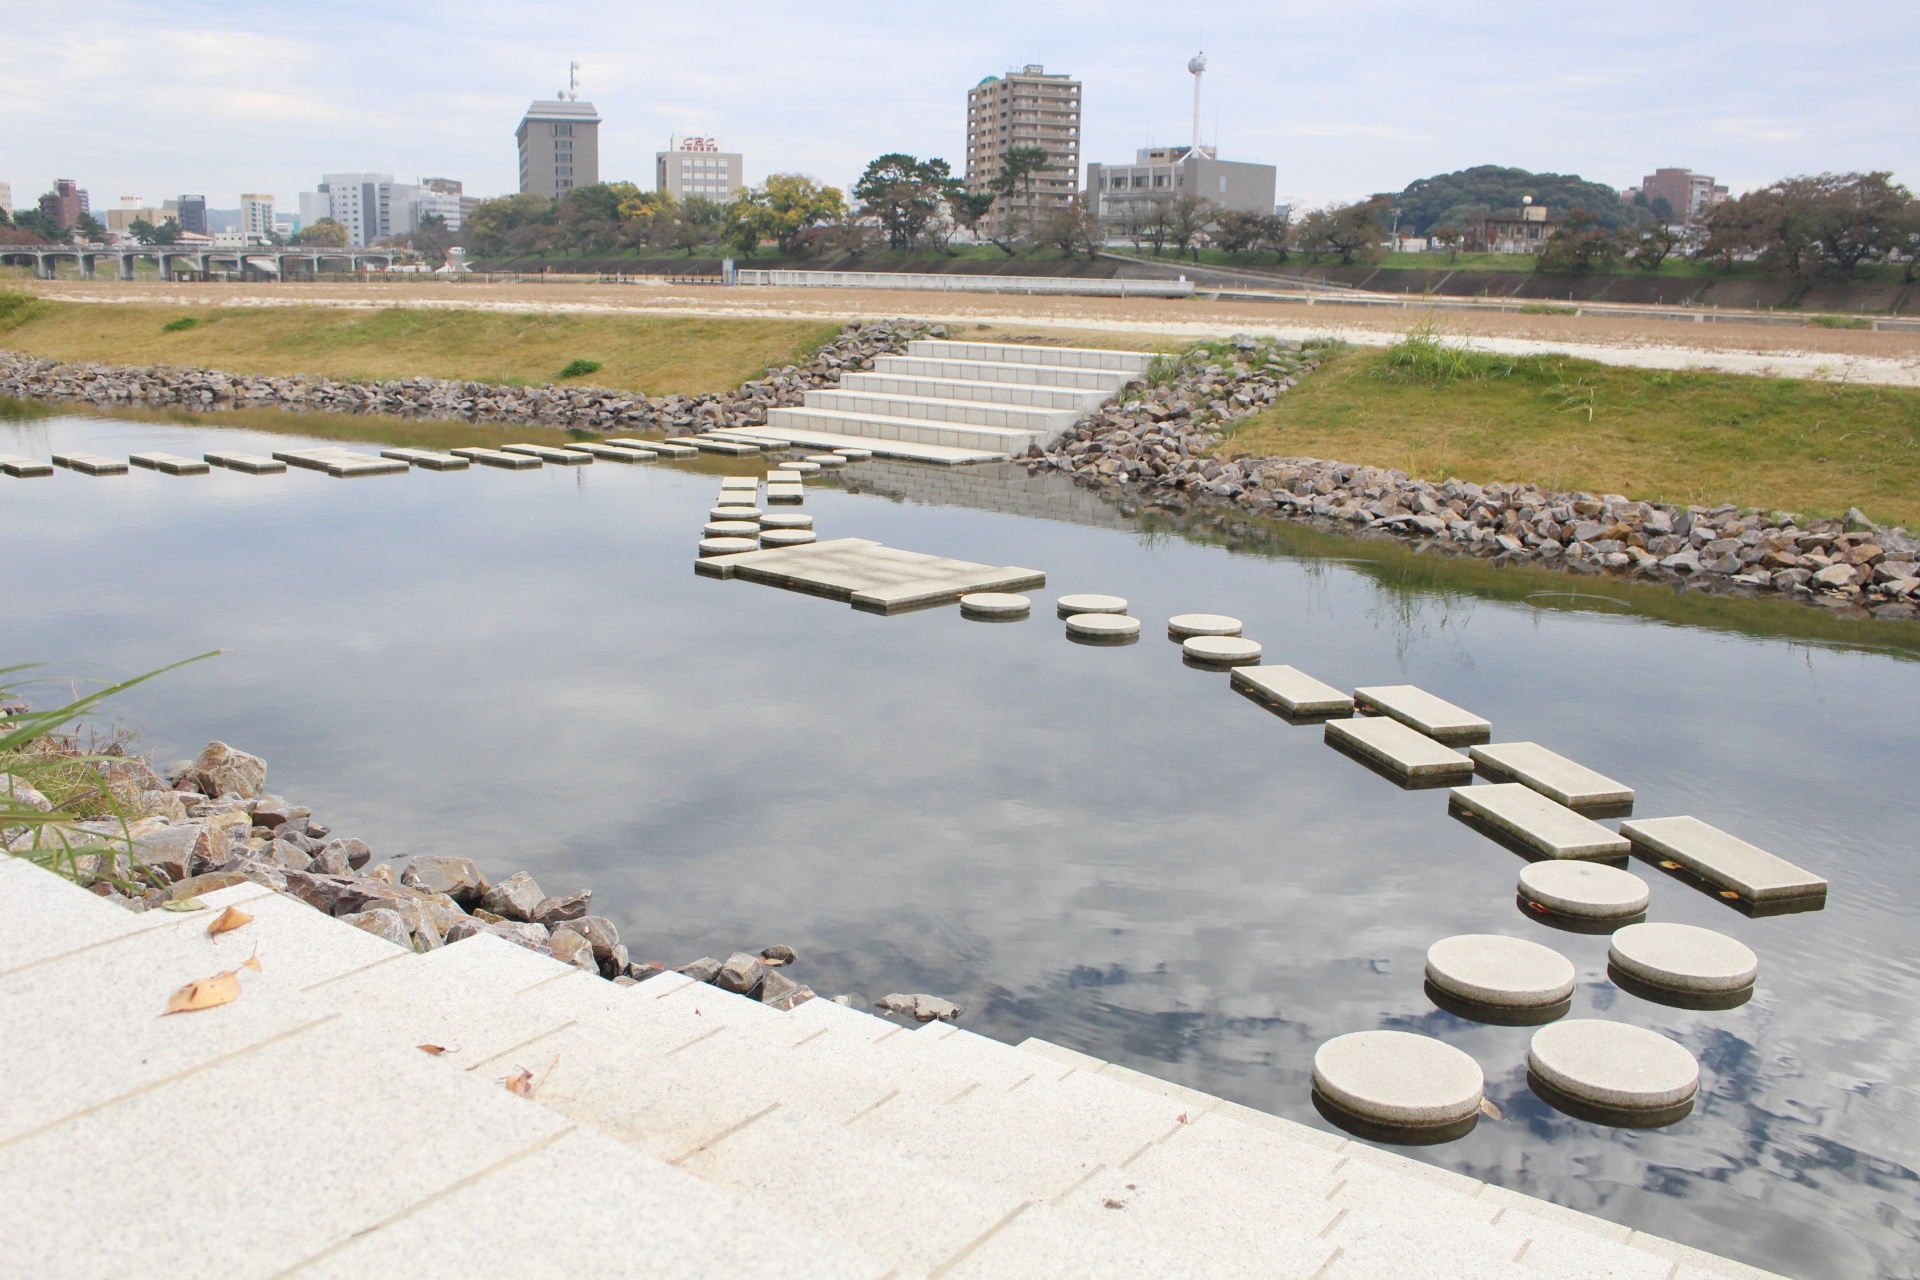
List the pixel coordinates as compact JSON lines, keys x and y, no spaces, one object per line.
{"x":1652,"y":245}
{"x":1831,"y":221}
{"x":783,"y":208}
{"x":587,"y":219}
{"x":905,"y":195}
{"x":168,"y":232}
{"x":140,"y":231}
{"x":1017,"y":167}
{"x":322,"y":233}
{"x":1352,"y":231}
{"x":1448,"y":237}
{"x":970,"y":208}
{"x":1578,"y":246}
{"x":1454,"y":198}
{"x":1073,"y":229}
{"x":88,"y":230}
{"x":1188,"y":217}
{"x":40,"y":224}
{"x":516,"y":223}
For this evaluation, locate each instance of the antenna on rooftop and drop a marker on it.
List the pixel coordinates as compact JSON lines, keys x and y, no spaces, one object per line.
{"x":572,"y":93}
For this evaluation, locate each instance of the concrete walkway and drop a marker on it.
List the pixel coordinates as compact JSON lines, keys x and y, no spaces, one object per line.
{"x":350,"y":1113}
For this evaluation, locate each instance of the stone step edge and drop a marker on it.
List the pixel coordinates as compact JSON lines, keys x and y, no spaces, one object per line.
{"x":1433,"y":1175}
{"x":917,"y":424}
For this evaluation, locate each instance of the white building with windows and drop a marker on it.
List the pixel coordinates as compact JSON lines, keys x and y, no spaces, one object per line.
{"x":698,"y":167}
{"x":360,"y":202}
{"x":559,"y":147}
{"x":256,"y":218}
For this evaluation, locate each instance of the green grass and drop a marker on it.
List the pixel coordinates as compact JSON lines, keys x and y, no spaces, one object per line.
{"x":578,"y":369}
{"x":1436,"y":409}
{"x":660,"y":355}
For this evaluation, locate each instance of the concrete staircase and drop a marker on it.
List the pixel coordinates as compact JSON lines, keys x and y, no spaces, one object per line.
{"x":958,"y":401}
{"x":672,"y":1130}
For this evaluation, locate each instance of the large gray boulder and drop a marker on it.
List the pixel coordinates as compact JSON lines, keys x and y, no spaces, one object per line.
{"x":219,"y":770}
{"x":458,"y":878}
{"x":514,"y":898}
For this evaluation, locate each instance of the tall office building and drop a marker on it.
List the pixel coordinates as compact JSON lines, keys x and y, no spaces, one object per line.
{"x":193,"y":215}
{"x":698,"y":167}
{"x":1692,"y":196}
{"x":559,"y":147}
{"x":256,"y":218}
{"x":1025,"y":108}
{"x":360,"y":202}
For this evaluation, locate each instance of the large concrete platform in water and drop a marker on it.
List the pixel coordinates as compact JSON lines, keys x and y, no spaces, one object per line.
{"x":427,"y":459}
{"x":499,"y":458}
{"x":341,"y":462}
{"x":15,"y":465}
{"x":1524,"y":815}
{"x":171,"y":464}
{"x":869,"y":575}
{"x":1552,"y":775}
{"x":90,"y":464}
{"x":1418,"y":709}
{"x":1400,"y":750}
{"x":252,"y":464}
{"x":1712,"y":854}
{"x":549,"y":454}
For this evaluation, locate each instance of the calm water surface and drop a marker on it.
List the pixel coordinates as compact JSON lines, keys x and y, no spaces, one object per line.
{"x":1095,"y":845}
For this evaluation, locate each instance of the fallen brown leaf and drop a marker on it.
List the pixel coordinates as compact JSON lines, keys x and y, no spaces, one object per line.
{"x":1184,"y":1119}
{"x":434,"y":1050}
{"x":186,"y":904}
{"x":521,"y":1082}
{"x":1671,"y":866}
{"x":1728,"y":893}
{"x":1488,"y":1109}
{"x":229,"y":920}
{"x":206,"y":993}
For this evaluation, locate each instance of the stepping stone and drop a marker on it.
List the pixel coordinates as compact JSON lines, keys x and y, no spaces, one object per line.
{"x":869,"y":576}
{"x":826,"y":461}
{"x":1068,"y":605}
{"x":1398,"y":1078}
{"x":1400,"y":750}
{"x":726,"y":448}
{"x":1418,"y":709}
{"x":1536,"y":822}
{"x":790,"y":494}
{"x":727,"y":546}
{"x":1182,"y":625}
{"x":1218,"y":651}
{"x":661,"y":448}
{"x":547,"y":453}
{"x":733,"y":529}
{"x":90,"y":464}
{"x":498,"y":458}
{"x":1712,"y":854}
{"x":170,"y":464}
{"x":341,"y":462}
{"x":727,"y":512}
{"x":1613,"y":1065}
{"x":1551,"y":774}
{"x":15,"y":465}
{"x":1588,"y":890}
{"x":783,"y":477}
{"x":855,"y":455}
{"x":250,"y":463}
{"x":1103,"y":626}
{"x":1489,"y":968}
{"x":804,"y":467}
{"x":427,"y":459}
{"x":1294,"y":692}
{"x":787,"y":537}
{"x":995,"y":604}
{"x":1683,"y":957}
{"x":611,"y":453}
{"x":734,"y":483}
{"x":785,"y":520}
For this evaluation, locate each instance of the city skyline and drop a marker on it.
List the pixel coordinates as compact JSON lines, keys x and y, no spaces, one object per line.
{"x":1387,"y":95}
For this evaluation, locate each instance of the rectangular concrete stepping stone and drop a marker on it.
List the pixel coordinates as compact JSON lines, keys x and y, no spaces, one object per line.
{"x":726,"y":448}
{"x":783,"y":477}
{"x":15,"y":465}
{"x":171,"y":464}
{"x":547,"y":453}
{"x":90,"y":464}
{"x":498,"y":458}
{"x":341,"y":463}
{"x":868,"y":575}
{"x":1551,"y":774}
{"x":789,"y":493}
{"x":1400,"y":750}
{"x":1523,"y":814}
{"x":1418,"y":709}
{"x":427,"y":459}
{"x":747,"y":483}
{"x":1726,"y":860}
{"x":252,"y":464}
{"x":1293,"y":691}
{"x":665,"y":448}
{"x":612,"y":453}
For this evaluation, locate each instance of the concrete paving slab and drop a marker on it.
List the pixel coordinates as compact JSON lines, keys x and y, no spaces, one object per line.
{"x":497,"y":458}
{"x":171,"y":464}
{"x":826,"y":461}
{"x":1230,"y":1229}
{"x":1529,"y":818}
{"x":1402,"y":751}
{"x":783,"y":476}
{"x":816,"y":435}
{"x":800,"y":467}
{"x":427,"y":459}
{"x":1723,"y":859}
{"x":1551,"y":774}
{"x":550,"y":454}
{"x":1043,"y":1242}
{"x":341,"y":463}
{"x":90,"y":464}
{"x":733,"y":483}
{"x":14,"y":464}
{"x":48,"y":916}
{"x":786,"y":493}
{"x":1293,"y":691}
{"x":1418,"y":709}
{"x":1683,"y":957}
{"x":252,"y":464}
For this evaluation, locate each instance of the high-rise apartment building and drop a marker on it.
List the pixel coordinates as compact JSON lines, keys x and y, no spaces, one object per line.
{"x":1025,"y":108}
{"x":559,"y":147}
{"x":698,"y":167}
{"x":1691,"y":195}
{"x":360,"y":202}
{"x":65,"y":203}
{"x":193,"y":215}
{"x":256,"y":218}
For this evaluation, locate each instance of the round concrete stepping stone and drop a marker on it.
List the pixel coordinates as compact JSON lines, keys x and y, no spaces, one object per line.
{"x":1590,"y":890}
{"x":733,"y":529}
{"x":1221,"y":651}
{"x":826,"y":461}
{"x":804,"y":467}
{"x":785,"y":520}
{"x":727,"y":546}
{"x":1102,"y":626}
{"x":855,"y":455}
{"x":1398,"y":1078}
{"x":1069,"y":605}
{"x":1489,"y":968}
{"x":1683,"y":957}
{"x":733,"y":512}
{"x":787,"y":537}
{"x":1182,"y":625}
{"x":995,"y":604}
{"x":1613,"y":1065}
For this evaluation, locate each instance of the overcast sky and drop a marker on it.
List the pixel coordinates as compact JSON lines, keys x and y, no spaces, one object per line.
{"x":1345,"y":98}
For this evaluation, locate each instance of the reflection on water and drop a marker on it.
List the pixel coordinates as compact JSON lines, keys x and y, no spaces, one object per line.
{"x":1100,"y":846}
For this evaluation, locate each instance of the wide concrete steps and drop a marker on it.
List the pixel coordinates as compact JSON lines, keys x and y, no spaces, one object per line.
{"x":820,"y":1141}
{"x":1001,"y":441}
{"x":1062,"y":376}
{"x":972,"y":413}
{"x":1017,"y":393}
{"x":903,"y":450}
{"x":1131,"y":363}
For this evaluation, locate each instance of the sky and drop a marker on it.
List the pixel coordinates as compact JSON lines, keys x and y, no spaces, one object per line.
{"x":153,"y":100}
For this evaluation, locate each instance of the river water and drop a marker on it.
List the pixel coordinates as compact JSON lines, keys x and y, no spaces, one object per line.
{"x":1099,"y":846}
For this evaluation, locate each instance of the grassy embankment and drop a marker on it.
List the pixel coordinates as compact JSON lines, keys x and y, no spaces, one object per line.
{"x":1434,"y":410}
{"x":660,"y":355}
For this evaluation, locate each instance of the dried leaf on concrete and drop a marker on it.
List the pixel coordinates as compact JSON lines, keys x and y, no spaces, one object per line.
{"x":188,"y":904}
{"x":521,"y":1082}
{"x":229,"y":920}
{"x":431,"y":1050}
{"x":206,"y":993}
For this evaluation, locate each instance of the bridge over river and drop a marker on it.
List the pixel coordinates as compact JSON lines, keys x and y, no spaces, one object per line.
{"x":174,"y":260}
